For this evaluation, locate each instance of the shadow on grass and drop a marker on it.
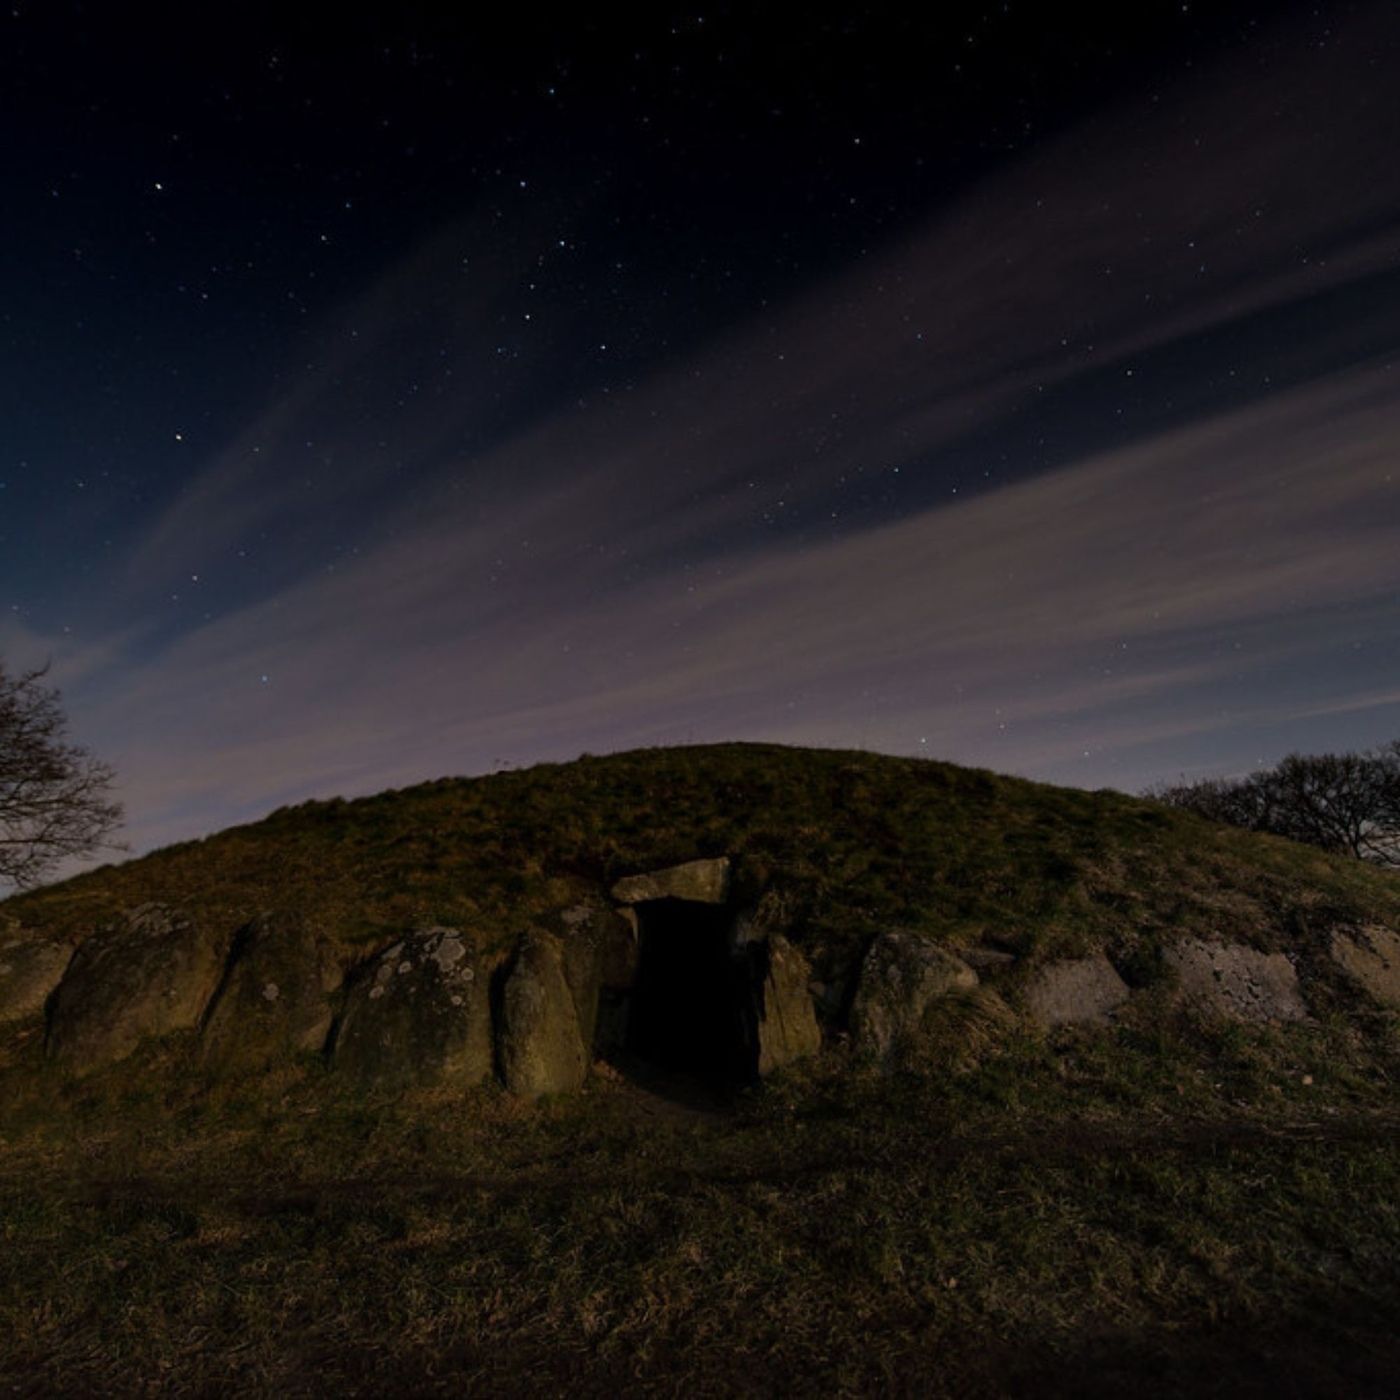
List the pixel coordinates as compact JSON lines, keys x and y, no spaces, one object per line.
{"x":1332,"y":1347}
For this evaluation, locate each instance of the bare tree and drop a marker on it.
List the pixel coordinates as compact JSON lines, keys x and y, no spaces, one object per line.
{"x":1347,"y":803}
{"x":55,"y":798}
{"x":1235,"y":801}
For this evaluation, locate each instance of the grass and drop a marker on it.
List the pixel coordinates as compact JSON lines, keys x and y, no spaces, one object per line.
{"x":1176,"y":1207}
{"x":1207,"y":1211}
{"x":844,"y":841}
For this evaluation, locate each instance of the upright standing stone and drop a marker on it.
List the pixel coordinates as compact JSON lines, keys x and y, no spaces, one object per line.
{"x":902,"y":976}
{"x":30,"y":968}
{"x":150,"y":973}
{"x":541,"y":1048}
{"x":420,"y":1016}
{"x":787,"y":1027}
{"x":275,"y":1000}
{"x":600,"y":955}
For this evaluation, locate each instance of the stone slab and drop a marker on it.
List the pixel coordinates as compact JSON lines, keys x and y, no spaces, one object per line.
{"x":1076,"y":990}
{"x":1370,"y":956}
{"x":1236,"y":981}
{"x":704,"y":881}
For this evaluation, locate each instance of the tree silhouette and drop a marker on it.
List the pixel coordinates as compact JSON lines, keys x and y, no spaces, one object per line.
{"x":55,"y":798}
{"x":1347,"y":802}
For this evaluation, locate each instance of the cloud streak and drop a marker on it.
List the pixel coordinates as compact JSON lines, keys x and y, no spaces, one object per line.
{"x":1195,"y":208}
{"x":1064,"y":607}
{"x":661,"y":562}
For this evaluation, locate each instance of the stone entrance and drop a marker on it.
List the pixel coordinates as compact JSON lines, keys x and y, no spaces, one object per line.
{"x":712,"y":1001}
{"x":694,"y":1008}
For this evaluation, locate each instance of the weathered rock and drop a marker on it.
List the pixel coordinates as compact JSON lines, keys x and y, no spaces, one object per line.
{"x":1076,"y":990}
{"x":30,"y":968}
{"x":600,"y":955}
{"x":787,"y":1026}
{"x":1370,"y":956}
{"x":1234,"y":981}
{"x":538,"y":1040}
{"x":902,"y":976}
{"x":421,"y":1015}
{"x":275,"y":999}
{"x":148,"y":974}
{"x":982,"y":957}
{"x":704,"y":881}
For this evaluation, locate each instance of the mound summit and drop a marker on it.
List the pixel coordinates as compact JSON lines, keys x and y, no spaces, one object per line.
{"x":712,"y":912}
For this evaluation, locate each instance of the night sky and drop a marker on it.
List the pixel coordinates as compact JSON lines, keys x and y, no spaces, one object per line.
{"x":391,"y":396}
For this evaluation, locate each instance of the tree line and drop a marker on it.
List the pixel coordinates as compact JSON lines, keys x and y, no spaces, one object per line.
{"x":1347,"y":803}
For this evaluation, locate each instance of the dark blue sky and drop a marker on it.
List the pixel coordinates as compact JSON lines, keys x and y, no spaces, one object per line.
{"x":394,"y":396}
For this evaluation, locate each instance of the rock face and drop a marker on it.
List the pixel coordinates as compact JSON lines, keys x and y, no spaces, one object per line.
{"x":275,"y":998}
{"x":703,"y":881}
{"x":538,"y":1040}
{"x":902,"y":976}
{"x":148,"y":974}
{"x":30,"y":968}
{"x":421,"y":1015}
{"x":1231,"y":980}
{"x":1076,"y":990}
{"x":1369,"y":956}
{"x":787,"y":1026}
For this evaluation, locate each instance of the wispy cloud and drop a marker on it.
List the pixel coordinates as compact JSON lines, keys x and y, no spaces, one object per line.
{"x":1083,"y":252}
{"x":610,"y":575}
{"x":1064,"y":607}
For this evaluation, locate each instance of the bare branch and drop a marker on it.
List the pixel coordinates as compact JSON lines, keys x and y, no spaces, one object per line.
{"x":55,"y":797}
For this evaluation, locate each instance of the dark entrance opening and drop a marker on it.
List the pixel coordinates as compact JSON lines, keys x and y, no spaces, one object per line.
{"x":693,"y":1011}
